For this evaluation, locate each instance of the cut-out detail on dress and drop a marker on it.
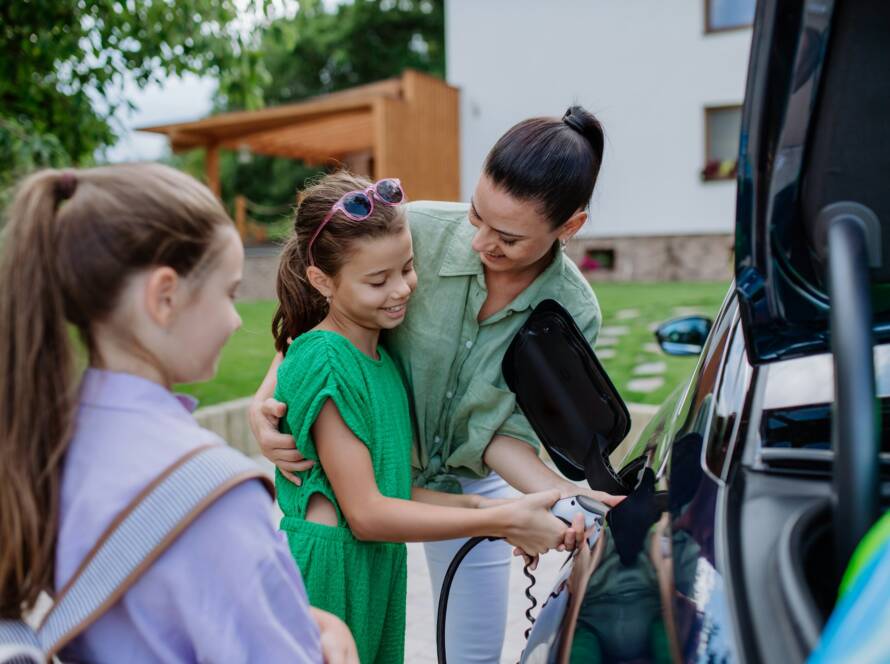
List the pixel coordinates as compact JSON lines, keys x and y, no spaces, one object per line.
{"x":321,"y":510}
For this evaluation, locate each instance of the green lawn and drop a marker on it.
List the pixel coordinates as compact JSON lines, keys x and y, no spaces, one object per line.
{"x":656,"y":303}
{"x":247,"y":355}
{"x":245,"y":358}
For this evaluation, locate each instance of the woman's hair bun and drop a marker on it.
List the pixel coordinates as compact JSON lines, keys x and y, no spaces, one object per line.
{"x":587,"y":125}
{"x":550,"y":160}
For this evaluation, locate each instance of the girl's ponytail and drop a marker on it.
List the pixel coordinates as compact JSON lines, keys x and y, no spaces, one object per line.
{"x":300,"y":306}
{"x":37,"y":392}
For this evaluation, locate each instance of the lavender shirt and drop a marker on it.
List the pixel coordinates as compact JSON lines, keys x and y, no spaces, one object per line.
{"x":227,"y":590}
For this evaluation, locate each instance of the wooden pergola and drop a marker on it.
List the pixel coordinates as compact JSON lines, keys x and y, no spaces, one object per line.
{"x":405,"y":127}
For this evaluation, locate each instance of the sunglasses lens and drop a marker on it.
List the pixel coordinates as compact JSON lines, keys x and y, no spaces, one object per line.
{"x":357,"y":204}
{"x":389,"y":191}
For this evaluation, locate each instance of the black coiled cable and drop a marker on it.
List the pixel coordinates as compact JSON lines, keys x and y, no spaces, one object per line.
{"x":531,"y":598}
{"x":468,"y":546}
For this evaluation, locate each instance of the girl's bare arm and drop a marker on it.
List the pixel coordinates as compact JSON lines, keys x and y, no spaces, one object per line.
{"x":525,"y":523}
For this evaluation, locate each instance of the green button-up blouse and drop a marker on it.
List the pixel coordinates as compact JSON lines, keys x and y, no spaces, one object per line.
{"x":451,"y":362}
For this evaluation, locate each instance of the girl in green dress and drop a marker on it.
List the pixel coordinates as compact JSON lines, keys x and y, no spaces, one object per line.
{"x":346,"y":274}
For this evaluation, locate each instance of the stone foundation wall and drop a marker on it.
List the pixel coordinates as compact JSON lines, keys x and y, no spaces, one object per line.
{"x":229,"y":421}
{"x":659,"y":258}
{"x":260,"y":272}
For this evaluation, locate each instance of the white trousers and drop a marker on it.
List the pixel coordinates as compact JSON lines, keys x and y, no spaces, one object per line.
{"x":477,"y":605}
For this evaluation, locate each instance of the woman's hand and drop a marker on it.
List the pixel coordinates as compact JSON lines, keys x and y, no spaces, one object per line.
{"x":263,"y":416}
{"x":532,"y":527}
{"x":279,"y":448}
{"x":337,"y":644}
{"x":601,"y":496}
{"x":530,"y":561}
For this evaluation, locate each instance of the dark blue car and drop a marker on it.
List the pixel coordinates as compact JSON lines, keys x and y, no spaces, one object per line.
{"x":752,"y":485}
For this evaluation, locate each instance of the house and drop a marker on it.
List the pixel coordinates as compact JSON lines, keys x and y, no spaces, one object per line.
{"x":666,"y":79}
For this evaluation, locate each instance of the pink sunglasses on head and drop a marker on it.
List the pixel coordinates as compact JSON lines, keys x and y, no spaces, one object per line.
{"x":359,"y":205}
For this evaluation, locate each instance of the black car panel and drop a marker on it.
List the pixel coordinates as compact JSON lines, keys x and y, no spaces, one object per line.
{"x":743,"y":565}
{"x":690,"y":406}
{"x":814,"y":134}
{"x":730,"y":407}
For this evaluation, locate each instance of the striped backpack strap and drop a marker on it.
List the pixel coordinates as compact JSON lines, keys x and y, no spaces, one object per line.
{"x":140,"y":534}
{"x":19,"y":644}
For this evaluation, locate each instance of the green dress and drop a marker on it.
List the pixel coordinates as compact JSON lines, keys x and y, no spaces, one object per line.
{"x":364,"y":583}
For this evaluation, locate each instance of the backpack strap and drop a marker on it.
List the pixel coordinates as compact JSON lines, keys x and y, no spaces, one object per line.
{"x":140,"y":534}
{"x":19,"y":643}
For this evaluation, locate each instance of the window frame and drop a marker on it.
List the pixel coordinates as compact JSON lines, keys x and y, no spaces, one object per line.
{"x":708,"y":110}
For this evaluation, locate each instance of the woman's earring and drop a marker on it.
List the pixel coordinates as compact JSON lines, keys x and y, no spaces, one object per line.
{"x":563,"y":243}
{"x":328,"y":299}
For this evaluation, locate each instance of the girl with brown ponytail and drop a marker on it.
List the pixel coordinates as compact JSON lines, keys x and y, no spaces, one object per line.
{"x":142,"y":262}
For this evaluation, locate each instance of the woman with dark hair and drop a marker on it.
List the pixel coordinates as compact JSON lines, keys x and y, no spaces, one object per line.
{"x":482,"y":268}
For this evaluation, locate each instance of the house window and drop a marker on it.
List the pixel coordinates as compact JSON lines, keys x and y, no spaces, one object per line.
{"x":596,"y":260}
{"x":722,"y":127}
{"x":728,"y":14}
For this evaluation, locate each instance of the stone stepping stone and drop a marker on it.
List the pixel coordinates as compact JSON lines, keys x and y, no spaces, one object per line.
{"x":615,"y":330}
{"x":652,"y":347}
{"x":687,"y":311}
{"x":627,"y":314}
{"x":606,"y":353}
{"x":645,"y":385}
{"x":650,"y":369}
{"x":654,"y":326}
{"x":606,"y":341}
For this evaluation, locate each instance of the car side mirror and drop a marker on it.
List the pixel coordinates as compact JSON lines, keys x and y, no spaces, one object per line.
{"x":683,"y":336}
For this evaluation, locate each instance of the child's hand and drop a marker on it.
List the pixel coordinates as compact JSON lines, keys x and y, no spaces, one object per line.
{"x":573,"y":537}
{"x":530,"y":561}
{"x":337,"y":644}
{"x":531,"y":527}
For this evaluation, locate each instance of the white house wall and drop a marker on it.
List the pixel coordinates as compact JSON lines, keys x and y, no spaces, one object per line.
{"x":644,"y":67}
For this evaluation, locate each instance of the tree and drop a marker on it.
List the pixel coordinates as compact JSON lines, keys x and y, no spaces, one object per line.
{"x":321,"y":50}
{"x":63,"y":65}
{"x":25,"y":150}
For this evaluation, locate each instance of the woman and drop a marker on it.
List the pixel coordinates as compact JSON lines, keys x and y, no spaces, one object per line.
{"x":482,"y":268}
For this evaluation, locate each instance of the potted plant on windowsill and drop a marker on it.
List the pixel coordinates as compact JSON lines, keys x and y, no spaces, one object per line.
{"x":720,"y":169}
